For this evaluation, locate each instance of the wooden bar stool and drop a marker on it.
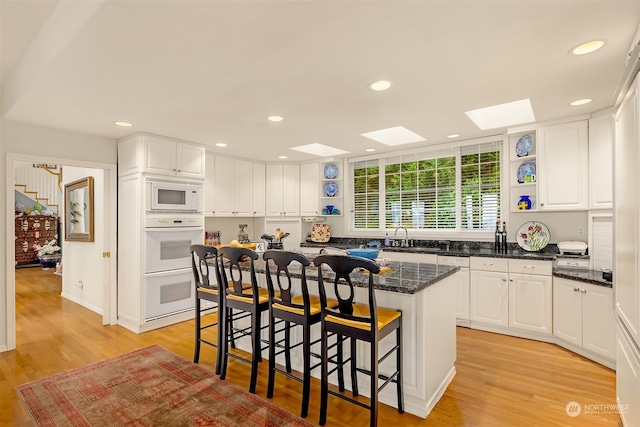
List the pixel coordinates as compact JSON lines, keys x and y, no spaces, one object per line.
{"x":302,"y":309}
{"x":246,"y":298}
{"x":365,"y":322}
{"x":203,"y":260}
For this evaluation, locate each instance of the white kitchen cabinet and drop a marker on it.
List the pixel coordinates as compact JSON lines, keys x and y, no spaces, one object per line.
{"x":489,"y":297}
{"x":283,"y":190}
{"x":601,"y":162}
{"x":583,"y":316}
{"x":530,"y":302}
{"x":159,"y":155}
{"x":409,"y":257}
{"x":259,"y":187}
{"x":461,"y":279}
{"x":309,"y":189}
{"x":563,"y":167}
{"x":233,"y":183}
{"x":209,"y":184}
{"x":627,"y":378}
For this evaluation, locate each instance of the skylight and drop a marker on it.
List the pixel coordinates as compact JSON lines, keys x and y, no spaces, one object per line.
{"x":320,"y":150}
{"x":397,"y":135}
{"x":503,"y":115}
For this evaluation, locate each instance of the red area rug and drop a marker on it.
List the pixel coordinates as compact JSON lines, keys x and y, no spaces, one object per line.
{"x":147,"y":387}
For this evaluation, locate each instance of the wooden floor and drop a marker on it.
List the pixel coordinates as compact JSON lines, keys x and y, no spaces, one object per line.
{"x":500,"y":381}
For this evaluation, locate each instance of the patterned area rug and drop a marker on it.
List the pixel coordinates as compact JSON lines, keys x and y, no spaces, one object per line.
{"x":147,"y":387}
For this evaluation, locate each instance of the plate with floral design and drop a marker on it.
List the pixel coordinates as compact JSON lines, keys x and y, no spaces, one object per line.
{"x":533,"y":236}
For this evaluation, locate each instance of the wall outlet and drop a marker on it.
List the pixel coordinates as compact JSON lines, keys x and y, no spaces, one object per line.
{"x":580,"y":231}
{"x":79,"y":285}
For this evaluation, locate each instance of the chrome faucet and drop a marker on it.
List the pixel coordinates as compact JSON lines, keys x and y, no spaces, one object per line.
{"x":406,"y":236}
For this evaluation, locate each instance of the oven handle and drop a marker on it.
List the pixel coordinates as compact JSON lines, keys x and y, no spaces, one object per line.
{"x":176,"y":228}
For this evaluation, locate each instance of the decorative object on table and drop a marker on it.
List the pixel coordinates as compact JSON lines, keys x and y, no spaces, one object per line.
{"x":572,"y":247}
{"x":275,"y":241}
{"x":150,"y":386}
{"x":330,"y":171}
{"x":335,"y":211}
{"x":331,"y":189}
{"x":243,"y":236}
{"x":527,"y":168}
{"x":524,"y":145}
{"x":330,"y":209}
{"x":533,"y":236}
{"x":48,"y":254}
{"x":78,"y":200}
{"x":320,"y":233}
{"x":529,"y":178}
{"x":524,"y":203}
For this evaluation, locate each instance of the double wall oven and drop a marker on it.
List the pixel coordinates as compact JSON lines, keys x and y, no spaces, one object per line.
{"x":169,"y":286}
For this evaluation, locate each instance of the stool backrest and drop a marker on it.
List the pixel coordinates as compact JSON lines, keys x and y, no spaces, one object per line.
{"x":282,"y":260}
{"x":235,"y":257}
{"x":343,"y":267}
{"x":203,"y":259}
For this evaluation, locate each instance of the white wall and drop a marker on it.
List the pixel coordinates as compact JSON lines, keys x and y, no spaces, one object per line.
{"x":82,"y":261}
{"x":48,"y":143}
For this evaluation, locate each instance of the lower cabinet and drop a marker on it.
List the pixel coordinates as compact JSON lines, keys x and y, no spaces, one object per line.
{"x":489,"y":297}
{"x":530,"y":302}
{"x":461,"y":279}
{"x":583,"y":316}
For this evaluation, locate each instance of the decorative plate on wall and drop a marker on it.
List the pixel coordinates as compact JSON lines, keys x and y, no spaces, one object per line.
{"x":320,"y":233}
{"x":533,"y":236}
{"x":330,"y":189}
{"x":330,"y":171}
{"x":527,"y":168}
{"x":523,"y":146}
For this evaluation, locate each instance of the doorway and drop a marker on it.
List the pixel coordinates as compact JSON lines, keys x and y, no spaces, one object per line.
{"x":98,"y":261}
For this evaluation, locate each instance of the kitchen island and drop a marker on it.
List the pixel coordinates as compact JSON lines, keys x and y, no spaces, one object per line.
{"x":426,"y":294}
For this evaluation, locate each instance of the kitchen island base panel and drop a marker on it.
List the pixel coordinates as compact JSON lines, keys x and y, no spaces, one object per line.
{"x":429,"y":340}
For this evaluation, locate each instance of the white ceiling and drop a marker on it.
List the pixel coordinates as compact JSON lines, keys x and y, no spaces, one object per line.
{"x":212,"y":71}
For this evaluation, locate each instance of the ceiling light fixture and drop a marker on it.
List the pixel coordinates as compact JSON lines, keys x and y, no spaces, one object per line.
{"x":581,"y":102}
{"x":380,"y":85}
{"x":370,"y":150}
{"x":320,"y":150}
{"x":275,"y":118}
{"x":123,"y":124}
{"x":503,"y":115}
{"x":221,"y":144}
{"x":586,"y":47}
{"x":453,"y":135}
{"x":282,"y":157}
{"x":397,"y":135}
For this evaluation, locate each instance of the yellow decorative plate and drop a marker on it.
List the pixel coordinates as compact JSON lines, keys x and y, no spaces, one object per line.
{"x":320,"y":233}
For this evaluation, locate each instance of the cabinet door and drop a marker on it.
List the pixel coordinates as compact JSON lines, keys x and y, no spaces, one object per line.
{"x":530,"y":302}
{"x":209,"y":184}
{"x":309,"y":183}
{"x":601,"y":162}
{"x":274,"y":190}
{"x":190,"y":160}
{"x":627,"y":378}
{"x":243,"y":173}
{"x":562,"y":169}
{"x":462,"y":294}
{"x":160,"y":155}
{"x":259,"y":197}
{"x":223,"y":196}
{"x":598,"y":323}
{"x":291,"y":190}
{"x":489,"y":297}
{"x":567,"y":310}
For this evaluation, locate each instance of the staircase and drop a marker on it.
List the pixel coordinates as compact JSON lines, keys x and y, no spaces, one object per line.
{"x":34,"y":197}
{"x":38,"y":183}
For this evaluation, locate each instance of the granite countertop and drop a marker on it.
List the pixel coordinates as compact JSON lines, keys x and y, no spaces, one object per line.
{"x":587,"y":276}
{"x":403,"y":277}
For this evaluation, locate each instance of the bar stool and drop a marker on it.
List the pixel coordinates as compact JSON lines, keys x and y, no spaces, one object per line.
{"x":203,"y":259}
{"x":302,"y":309}
{"x":365,"y":322}
{"x":247,"y":298}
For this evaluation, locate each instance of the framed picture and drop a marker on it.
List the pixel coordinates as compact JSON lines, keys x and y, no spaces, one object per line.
{"x":78,"y":202}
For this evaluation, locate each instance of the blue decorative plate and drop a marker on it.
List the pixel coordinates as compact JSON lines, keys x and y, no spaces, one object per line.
{"x":330,"y":171}
{"x":527,"y":168}
{"x":523,"y":146}
{"x":331,"y":188}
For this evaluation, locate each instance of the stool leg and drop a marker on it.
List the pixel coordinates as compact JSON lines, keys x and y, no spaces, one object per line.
{"x":399,"y":365}
{"x":196,"y":352}
{"x":340,"y":364}
{"x":306,"y":372}
{"x":221,"y":332}
{"x":354,"y":373}
{"x":272,"y":356}
{"x":230,"y":328}
{"x":224,"y":348}
{"x":287,"y":345}
{"x":255,"y":347}
{"x":324,"y":378}
{"x":374,"y":384}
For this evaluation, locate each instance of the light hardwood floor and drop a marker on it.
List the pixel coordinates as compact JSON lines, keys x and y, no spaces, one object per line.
{"x":500,"y":381}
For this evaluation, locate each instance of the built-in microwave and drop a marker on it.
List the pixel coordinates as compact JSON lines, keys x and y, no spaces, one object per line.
{"x":174,"y":196}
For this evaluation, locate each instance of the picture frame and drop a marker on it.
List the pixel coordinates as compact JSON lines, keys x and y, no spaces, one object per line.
{"x":79,"y":214}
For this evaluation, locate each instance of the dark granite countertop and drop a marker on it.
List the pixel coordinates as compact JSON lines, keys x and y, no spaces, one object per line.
{"x":587,"y":276}
{"x":403,"y":277}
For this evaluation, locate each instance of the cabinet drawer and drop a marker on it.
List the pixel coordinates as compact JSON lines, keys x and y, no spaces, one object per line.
{"x":453,"y":260}
{"x":526,"y":266}
{"x":580,"y":263}
{"x":490,"y":264}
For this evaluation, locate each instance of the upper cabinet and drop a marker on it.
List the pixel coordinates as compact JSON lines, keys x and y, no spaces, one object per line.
{"x":601,"y":162}
{"x":309,"y":185}
{"x":283,"y":190}
{"x":232,"y":188}
{"x":158,"y":155}
{"x":563,"y":167}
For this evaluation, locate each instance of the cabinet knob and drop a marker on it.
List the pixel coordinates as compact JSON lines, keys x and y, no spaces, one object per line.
{"x":504,"y":280}
{"x":584,"y":291}
{"x":179,"y":170}
{"x":576,"y":290}
{"x":173,"y":170}
{"x":542,"y":204}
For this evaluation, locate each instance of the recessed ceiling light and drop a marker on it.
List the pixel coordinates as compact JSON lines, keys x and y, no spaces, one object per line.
{"x":502,"y":115}
{"x":453,"y":135}
{"x":586,"y":47}
{"x":397,"y":135}
{"x":320,"y":150}
{"x":581,"y":102}
{"x":123,"y":124}
{"x":221,"y":144}
{"x":370,"y":150}
{"x":380,"y":85}
{"x":282,"y":157}
{"x":275,"y":118}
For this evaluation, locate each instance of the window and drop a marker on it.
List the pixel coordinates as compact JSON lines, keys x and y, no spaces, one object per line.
{"x":454,"y":189}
